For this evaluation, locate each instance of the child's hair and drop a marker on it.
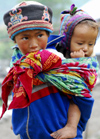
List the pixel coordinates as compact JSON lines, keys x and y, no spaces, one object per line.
{"x":28,"y":15}
{"x":69,"y":20}
{"x":48,"y":33}
{"x":90,"y":23}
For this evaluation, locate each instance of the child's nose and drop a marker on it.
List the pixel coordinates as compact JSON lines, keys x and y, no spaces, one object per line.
{"x":85,"y":48}
{"x":33,"y":43}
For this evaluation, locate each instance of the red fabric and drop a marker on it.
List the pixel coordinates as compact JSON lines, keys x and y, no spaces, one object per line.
{"x":21,"y":80}
{"x":43,"y":92}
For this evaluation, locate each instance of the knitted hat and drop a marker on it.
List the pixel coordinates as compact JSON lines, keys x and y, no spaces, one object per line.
{"x":28,"y":15}
{"x":69,"y":19}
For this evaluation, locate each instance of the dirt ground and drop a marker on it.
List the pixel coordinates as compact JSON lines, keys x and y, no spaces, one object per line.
{"x":93,"y":126}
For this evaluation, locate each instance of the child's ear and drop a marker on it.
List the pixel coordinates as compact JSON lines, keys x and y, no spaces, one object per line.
{"x":14,"y":41}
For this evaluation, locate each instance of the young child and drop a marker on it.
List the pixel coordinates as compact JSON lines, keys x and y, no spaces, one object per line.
{"x":80,"y":37}
{"x":26,"y":21}
{"x":68,"y":27}
{"x":23,"y":36}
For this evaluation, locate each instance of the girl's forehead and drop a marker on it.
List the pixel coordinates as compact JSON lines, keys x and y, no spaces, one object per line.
{"x":29,"y":32}
{"x":85,"y":32}
{"x":85,"y":28}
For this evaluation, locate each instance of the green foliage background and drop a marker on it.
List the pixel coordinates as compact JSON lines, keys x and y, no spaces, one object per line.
{"x":56,"y":5}
{"x":5,"y":45}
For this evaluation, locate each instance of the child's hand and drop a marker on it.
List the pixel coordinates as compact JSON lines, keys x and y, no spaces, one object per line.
{"x":77,"y":54}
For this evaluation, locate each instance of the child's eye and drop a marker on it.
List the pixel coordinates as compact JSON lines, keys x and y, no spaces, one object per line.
{"x":91,"y":44}
{"x":40,"y":35}
{"x":25,"y":38}
{"x":80,"y":43}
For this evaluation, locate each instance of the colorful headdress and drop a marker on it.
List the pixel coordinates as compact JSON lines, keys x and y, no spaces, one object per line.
{"x":69,"y":19}
{"x":28,"y":15}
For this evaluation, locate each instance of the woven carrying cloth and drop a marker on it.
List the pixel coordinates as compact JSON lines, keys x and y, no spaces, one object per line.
{"x":72,"y":76}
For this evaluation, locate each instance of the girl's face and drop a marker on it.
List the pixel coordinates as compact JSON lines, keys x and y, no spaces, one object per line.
{"x":84,"y":38}
{"x":31,"y":40}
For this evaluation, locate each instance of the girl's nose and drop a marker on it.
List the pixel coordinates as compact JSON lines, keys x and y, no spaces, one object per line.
{"x":85,"y":48}
{"x":33,"y":43}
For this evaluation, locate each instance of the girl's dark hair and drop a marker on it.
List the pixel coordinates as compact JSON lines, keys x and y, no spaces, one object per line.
{"x":48,"y":33}
{"x":61,"y":49}
{"x":90,"y":23}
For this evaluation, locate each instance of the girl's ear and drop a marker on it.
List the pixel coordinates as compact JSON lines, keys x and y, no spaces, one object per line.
{"x":14,"y":41}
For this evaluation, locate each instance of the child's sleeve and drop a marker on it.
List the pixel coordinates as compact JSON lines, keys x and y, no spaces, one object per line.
{"x":16,"y":55}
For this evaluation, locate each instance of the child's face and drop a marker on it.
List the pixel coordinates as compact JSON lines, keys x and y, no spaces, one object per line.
{"x":31,"y":40}
{"x":83,"y":38}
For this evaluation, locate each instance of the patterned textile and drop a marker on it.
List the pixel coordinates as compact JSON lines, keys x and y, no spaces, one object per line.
{"x":16,"y":55}
{"x":75,"y":76}
{"x":72,"y":76}
{"x":21,"y":79}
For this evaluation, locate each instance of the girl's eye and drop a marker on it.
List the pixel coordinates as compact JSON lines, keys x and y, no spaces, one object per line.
{"x":25,"y":38}
{"x":40,"y":35}
{"x":91,"y":44}
{"x":80,"y":43}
